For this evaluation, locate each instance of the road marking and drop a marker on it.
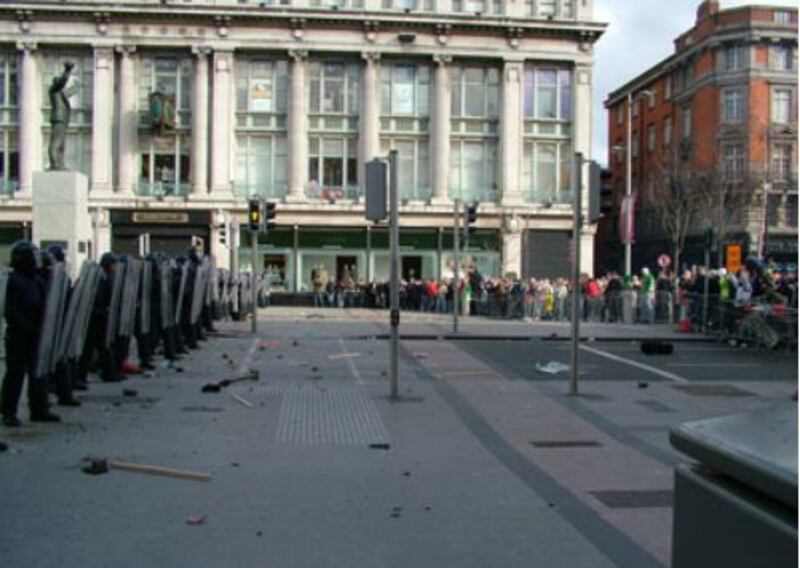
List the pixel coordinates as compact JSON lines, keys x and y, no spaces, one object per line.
{"x":714,"y":365}
{"x":642,"y":366}
{"x":350,"y":363}
{"x":469,"y":373}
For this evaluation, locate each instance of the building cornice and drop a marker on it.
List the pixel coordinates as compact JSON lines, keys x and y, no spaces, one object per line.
{"x":223,"y":18}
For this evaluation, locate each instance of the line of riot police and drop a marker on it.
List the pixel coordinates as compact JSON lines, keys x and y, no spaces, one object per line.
{"x":58,"y":331}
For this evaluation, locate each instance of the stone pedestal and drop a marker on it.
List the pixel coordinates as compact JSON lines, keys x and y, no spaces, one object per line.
{"x":61,"y":214}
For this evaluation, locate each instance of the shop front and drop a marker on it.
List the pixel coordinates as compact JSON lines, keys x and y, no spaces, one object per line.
{"x":291,"y":256}
{"x":172,"y":232}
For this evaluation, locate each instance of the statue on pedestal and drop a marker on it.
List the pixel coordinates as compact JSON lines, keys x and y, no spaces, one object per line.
{"x":61,"y":90}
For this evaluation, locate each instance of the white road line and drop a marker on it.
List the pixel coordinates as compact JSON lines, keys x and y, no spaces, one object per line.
{"x":642,"y":366}
{"x":714,"y":365}
{"x":350,"y":363}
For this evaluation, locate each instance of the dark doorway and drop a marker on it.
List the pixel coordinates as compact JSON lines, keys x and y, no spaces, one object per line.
{"x":346,"y":263}
{"x":412,"y":267}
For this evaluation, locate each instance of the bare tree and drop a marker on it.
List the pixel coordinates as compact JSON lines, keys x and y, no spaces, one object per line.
{"x":679,"y":198}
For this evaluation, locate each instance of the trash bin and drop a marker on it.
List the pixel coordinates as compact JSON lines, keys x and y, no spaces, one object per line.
{"x":737,"y":506}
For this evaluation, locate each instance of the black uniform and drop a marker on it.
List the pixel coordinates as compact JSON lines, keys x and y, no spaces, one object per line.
{"x":24,"y":311}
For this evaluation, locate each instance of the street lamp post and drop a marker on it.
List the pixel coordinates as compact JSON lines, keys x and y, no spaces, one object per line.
{"x":629,"y":172}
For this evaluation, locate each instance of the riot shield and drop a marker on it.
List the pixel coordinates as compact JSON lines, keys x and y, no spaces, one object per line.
{"x":53,"y":317}
{"x":85,"y":304}
{"x":130,"y":298}
{"x":3,"y":287}
{"x":71,"y":313}
{"x":112,"y":323}
{"x":146,"y":294}
{"x":165,"y":295}
{"x":200,"y":290}
{"x":181,"y":288}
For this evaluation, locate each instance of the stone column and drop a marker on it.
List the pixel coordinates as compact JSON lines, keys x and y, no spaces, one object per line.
{"x":582,"y":121}
{"x":128,"y":122}
{"x":369,"y":121}
{"x":511,"y":154}
{"x":222,"y":119}
{"x":512,"y":246}
{"x":102,"y":121}
{"x":200,"y":132}
{"x":297,"y":126}
{"x":101,"y":226}
{"x":30,"y":119}
{"x":440,"y":130}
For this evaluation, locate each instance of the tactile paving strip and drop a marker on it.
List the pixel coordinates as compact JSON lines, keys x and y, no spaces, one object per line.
{"x":331,"y":415}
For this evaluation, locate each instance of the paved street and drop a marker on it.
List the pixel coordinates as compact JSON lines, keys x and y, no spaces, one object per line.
{"x":482,"y":462}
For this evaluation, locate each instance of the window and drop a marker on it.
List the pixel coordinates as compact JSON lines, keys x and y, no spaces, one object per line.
{"x":635,"y":144}
{"x":474,"y":132}
{"x":782,"y":58}
{"x":79,"y":134}
{"x":405,"y":110}
{"x":635,"y":110}
{"x":261,"y":104}
{"x":667,"y":88}
{"x":667,"y":131}
{"x":773,"y":210}
{"x":651,"y":100}
{"x":651,"y":138}
{"x":478,"y":6}
{"x":620,"y":113}
{"x":733,"y":106}
{"x":164,"y":158}
{"x":781,"y":163}
{"x":781,"y":17}
{"x":734,"y":57}
{"x":9,"y":128}
{"x":548,"y":134}
{"x":733,"y":161}
{"x":546,"y":8}
{"x":791,"y":211}
{"x":333,"y":130}
{"x":687,"y":123}
{"x":781,"y":106}
{"x":409,"y":5}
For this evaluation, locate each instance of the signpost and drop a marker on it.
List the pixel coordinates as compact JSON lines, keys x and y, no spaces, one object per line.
{"x":577,"y":167}
{"x":456,"y":253}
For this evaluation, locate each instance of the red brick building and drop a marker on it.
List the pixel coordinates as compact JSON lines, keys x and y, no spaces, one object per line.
{"x":721,"y":109}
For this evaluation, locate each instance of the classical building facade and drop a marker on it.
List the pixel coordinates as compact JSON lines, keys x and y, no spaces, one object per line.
{"x":722,"y":106}
{"x":483,"y":100}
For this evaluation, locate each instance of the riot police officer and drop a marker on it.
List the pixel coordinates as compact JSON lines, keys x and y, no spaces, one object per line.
{"x":109,"y":370}
{"x":24,"y":311}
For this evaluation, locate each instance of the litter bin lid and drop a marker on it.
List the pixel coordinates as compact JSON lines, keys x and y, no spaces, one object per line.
{"x":757,"y":448}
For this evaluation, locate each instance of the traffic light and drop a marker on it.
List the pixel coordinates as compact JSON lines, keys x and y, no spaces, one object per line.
{"x":606,"y":192}
{"x":254,"y":215}
{"x":269,"y":215}
{"x":223,"y":234}
{"x":470,"y":217}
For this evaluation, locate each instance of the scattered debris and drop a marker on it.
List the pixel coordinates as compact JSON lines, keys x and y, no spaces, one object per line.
{"x":406,"y":474}
{"x":259,"y":533}
{"x":552,"y":368}
{"x":224,"y":355}
{"x":195,"y":519}
{"x":97,"y":466}
{"x":231,"y":362}
{"x":235,"y":464}
{"x":272,"y":344}
{"x":421,"y":355}
{"x":344,"y":356}
{"x":3,"y":447}
{"x":295,"y":343}
{"x":242,"y":400}
{"x":314,"y":369}
{"x":129,"y":392}
{"x":178,"y":369}
{"x":427,"y":508}
{"x":379,"y":446}
{"x":116,"y":403}
{"x":643,"y":384}
{"x":656,"y":348}
{"x":251,"y":375}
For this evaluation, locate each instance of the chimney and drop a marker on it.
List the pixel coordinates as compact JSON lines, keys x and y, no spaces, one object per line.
{"x":706,"y":9}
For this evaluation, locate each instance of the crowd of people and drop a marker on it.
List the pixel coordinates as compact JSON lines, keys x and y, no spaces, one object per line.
{"x":649,"y":297}
{"x":58,"y":332}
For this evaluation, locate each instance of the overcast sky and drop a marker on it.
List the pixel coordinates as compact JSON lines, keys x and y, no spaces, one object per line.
{"x":639,"y":35}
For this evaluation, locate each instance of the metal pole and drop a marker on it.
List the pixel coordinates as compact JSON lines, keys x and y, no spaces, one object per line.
{"x":253,"y":291}
{"x":394,"y":276}
{"x":577,"y":169}
{"x":456,"y":247}
{"x":705,"y":286}
{"x":628,"y":181}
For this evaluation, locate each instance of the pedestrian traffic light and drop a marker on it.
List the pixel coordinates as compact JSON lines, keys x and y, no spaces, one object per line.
{"x":223,"y":234}
{"x":470,"y":217}
{"x":606,"y":192}
{"x":254,"y":215}
{"x":269,"y":215}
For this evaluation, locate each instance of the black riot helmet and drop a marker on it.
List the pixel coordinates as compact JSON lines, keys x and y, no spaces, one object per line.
{"x":192,"y":255}
{"x":57,"y":252}
{"x":107,"y":261}
{"x":46,"y":262}
{"x":23,"y":258}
